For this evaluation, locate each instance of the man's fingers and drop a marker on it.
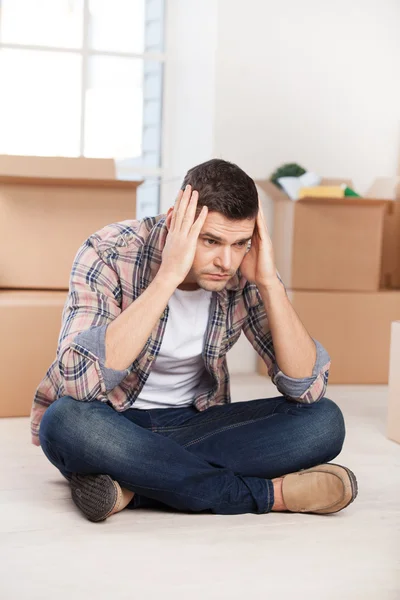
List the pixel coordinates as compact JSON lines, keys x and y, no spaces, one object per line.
{"x":188,"y":219}
{"x":198,"y":224}
{"x":175,"y":210}
{"x":182,"y":206}
{"x":261,"y":225}
{"x":262,"y":218}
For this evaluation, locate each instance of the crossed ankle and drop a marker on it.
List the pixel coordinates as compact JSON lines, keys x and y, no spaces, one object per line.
{"x":124,"y":497}
{"x":279,"y":504}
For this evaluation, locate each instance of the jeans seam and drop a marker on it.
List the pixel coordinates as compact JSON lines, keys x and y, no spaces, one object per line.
{"x":179,"y":427}
{"x":211,"y":420}
{"x":152,"y":428}
{"x":227,"y":428}
{"x":269,"y":500}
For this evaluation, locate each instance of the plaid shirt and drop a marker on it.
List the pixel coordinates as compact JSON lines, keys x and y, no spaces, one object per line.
{"x":110,"y":270}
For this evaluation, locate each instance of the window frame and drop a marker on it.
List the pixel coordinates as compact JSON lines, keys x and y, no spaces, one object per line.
{"x":86,"y":53}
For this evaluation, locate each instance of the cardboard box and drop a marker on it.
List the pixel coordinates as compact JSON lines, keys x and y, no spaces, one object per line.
{"x":328,"y":243}
{"x":44,"y":219}
{"x":354,"y":327}
{"x":30,"y":324}
{"x":388,"y":188}
{"x":393,"y":424}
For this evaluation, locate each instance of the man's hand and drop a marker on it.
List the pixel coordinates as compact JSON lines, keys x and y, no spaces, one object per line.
{"x":258,"y":266}
{"x":181,"y":242}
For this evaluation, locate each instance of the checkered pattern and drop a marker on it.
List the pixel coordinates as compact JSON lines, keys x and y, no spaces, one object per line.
{"x":110,"y":270}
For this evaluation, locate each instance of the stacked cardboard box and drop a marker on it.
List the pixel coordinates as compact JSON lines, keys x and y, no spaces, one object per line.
{"x":393,"y":423}
{"x":48,"y":207}
{"x":30,"y":325}
{"x":340,"y":261}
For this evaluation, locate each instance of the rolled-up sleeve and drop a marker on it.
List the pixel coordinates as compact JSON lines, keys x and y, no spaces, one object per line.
{"x":307,"y":389}
{"x":94,"y":340}
{"x":93,"y":302}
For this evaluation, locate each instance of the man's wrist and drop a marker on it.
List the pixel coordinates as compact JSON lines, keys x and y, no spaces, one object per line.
{"x":167,"y":279}
{"x":270,"y":284}
{"x":272,"y":292}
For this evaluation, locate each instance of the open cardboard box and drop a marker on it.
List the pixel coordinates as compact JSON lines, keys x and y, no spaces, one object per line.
{"x":48,"y":207}
{"x":388,"y":188}
{"x":335,"y":243}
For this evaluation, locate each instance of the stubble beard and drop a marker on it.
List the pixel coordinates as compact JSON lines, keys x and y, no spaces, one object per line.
{"x":211,"y":286}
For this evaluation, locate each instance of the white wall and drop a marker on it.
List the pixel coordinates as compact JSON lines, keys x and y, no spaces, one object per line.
{"x":189,"y":91}
{"x":316,"y":82}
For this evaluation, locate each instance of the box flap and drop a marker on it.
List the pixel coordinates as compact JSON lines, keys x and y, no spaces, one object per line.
{"x":385,"y":187}
{"x":271,"y":189}
{"x":347,"y":200}
{"x":56,"y":167}
{"x":336,"y":181}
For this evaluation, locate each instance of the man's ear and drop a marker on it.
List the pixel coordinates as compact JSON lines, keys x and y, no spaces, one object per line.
{"x":169,"y":217}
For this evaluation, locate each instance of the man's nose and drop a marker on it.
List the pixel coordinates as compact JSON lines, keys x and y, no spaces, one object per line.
{"x":224,"y":259}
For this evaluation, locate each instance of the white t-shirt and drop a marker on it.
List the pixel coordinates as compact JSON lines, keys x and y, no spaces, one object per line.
{"x":178,"y":372}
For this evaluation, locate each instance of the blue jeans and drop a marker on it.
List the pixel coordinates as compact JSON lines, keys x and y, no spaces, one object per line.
{"x":220,"y":460}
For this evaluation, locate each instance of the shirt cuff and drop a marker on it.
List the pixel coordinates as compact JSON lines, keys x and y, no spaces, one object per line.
{"x":294,"y":388}
{"x":94,"y":340}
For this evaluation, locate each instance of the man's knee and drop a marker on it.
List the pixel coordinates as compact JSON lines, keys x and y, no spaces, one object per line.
{"x":331,"y":430}
{"x":74,"y":433}
{"x":62,"y":419}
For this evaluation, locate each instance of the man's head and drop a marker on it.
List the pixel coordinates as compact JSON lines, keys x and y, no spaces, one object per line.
{"x":232,"y":201}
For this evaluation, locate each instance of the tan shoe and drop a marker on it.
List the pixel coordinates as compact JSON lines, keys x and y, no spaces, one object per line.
{"x":323,"y":489}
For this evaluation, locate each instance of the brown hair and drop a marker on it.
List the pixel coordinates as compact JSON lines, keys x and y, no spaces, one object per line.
{"x":223,"y":187}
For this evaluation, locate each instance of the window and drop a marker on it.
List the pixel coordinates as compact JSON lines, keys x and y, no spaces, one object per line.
{"x":83,"y":78}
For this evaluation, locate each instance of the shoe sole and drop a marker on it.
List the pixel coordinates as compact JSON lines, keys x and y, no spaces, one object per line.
{"x":95,"y":495}
{"x":353,"y":483}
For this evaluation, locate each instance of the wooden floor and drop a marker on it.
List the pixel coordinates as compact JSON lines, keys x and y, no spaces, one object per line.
{"x":48,"y":550}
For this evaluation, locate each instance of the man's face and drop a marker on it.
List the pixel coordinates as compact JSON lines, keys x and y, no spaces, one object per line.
{"x":221,"y":248}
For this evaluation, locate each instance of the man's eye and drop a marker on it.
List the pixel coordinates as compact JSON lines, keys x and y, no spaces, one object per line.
{"x":241,"y":244}
{"x":211,"y":241}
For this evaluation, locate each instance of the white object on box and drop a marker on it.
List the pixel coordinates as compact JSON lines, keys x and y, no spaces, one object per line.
{"x":293,"y":185}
